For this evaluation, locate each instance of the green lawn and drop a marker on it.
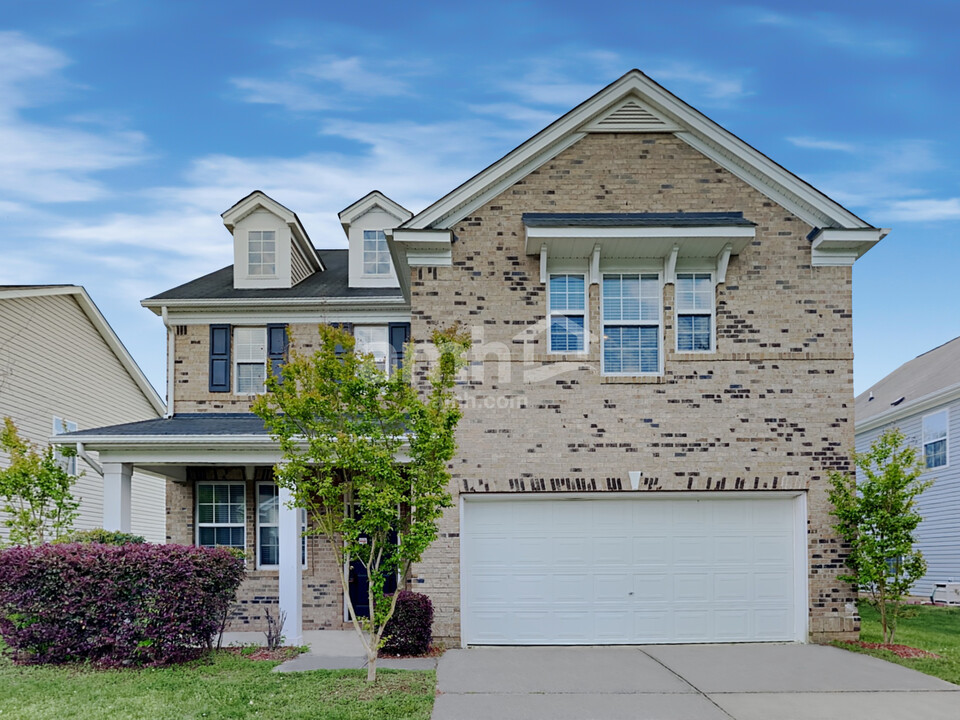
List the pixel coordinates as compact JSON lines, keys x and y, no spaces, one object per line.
{"x":227,"y":686}
{"x":936,"y":629}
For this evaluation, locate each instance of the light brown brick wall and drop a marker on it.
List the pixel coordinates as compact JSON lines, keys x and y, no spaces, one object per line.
{"x":770,"y":410}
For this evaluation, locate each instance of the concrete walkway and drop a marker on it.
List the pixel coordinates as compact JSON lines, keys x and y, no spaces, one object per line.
{"x":330,"y":650}
{"x":684,"y":682}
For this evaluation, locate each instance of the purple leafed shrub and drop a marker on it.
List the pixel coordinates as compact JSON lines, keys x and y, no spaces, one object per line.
{"x":410,"y":629}
{"x":114,"y":605}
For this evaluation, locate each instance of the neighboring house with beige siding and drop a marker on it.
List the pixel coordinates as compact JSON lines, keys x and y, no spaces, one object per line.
{"x":921,"y":398}
{"x":63,"y":368}
{"x":660,"y":382}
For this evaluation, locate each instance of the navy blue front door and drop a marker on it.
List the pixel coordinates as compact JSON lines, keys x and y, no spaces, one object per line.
{"x":359,"y":586}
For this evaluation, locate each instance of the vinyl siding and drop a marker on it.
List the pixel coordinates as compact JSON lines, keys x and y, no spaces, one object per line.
{"x":938,"y":536}
{"x":299,"y":267}
{"x":53,"y":361}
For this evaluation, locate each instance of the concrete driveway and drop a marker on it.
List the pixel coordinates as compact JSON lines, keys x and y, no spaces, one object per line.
{"x":685,"y":682}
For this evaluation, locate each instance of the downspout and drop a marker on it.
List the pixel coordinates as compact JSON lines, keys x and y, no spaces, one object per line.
{"x":170,"y":361}
{"x":82,"y":454}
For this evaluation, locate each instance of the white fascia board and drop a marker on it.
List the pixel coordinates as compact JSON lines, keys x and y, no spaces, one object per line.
{"x":738,"y":237}
{"x":842,"y":247}
{"x":259,"y":316}
{"x":914,"y":407}
{"x":369,"y":201}
{"x":425,"y":248}
{"x":398,"y":256}
{"x":242,"y":304}
{"x":99,"y":322}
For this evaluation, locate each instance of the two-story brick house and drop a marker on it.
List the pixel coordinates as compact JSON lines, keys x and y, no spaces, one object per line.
{"x":661,"y":380}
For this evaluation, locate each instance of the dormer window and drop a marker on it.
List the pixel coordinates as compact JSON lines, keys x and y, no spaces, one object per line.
{"x":376,"y":256}
{"x":262,"y":253}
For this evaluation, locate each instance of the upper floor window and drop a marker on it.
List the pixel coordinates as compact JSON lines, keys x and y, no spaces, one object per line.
{"x":375,"y":340}
{"x":694,"y":301}
{"x":376,"y":256}
{"x":935,"y":439}
{"x":567,"y":312}
{"x":250,"y":352}
{"x":67,"y":462}
{"x":262,"y":252}
{"x":221,"y":513}
{"x":631,"y":324}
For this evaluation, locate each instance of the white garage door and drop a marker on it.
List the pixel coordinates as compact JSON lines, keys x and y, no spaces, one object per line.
{"x":627,"y":569}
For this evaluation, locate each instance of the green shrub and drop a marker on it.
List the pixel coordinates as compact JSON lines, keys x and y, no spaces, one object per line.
{"x":104,"y":537}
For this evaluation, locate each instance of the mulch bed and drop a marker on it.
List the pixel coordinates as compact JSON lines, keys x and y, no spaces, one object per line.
{"x":904,"y":651}
{"x":434,"y":651}
{"x":262,"y":653}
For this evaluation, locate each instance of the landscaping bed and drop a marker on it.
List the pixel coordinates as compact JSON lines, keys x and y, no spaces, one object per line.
{"x":226,"y":684}
{"x":927,"y":639}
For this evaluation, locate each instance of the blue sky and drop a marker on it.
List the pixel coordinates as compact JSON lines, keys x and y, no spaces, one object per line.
{"x":127,"y":126}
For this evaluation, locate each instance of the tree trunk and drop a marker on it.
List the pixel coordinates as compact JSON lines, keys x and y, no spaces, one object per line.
{"x":372,"y":665}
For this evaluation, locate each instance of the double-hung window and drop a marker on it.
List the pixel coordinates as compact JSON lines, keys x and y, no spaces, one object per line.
{"x":376,"y":256}
{"x":935,"y":439}
{"x":694,"y":302}
{"x":268,"y":527}
{"x":67,"y":462}
{"x":373,"y":340}
{"x":262,"y":252}
{"x":250,"y":351}
{"x":631,"y":324}
{"x":567,"y":312}
{"x":221,"y":512}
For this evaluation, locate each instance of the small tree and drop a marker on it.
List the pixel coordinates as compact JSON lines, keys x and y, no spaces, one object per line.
{"x":35,"y":490}
{"x":341,"y":424}
{"x":877,"y":517}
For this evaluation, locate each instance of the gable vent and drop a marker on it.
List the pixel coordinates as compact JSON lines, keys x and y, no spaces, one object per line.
{"x":630,"y":116}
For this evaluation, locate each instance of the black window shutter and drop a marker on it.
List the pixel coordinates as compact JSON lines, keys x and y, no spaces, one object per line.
{"x":399,"y":337}
{"x":219,"y":358}
{"x":277,"y":346}
{"x":346,"y":327}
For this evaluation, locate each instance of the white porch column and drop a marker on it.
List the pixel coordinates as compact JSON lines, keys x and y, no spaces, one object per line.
{"x":116,"y":496}
{"x":291,"y":599}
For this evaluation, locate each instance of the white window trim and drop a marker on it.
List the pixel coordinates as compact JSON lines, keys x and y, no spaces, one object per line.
{"x":237,"y":362}
{"x":304,"y":546}
{"x":638,"y":323}
{"x":196,"y":510}
{"x":61,"y":426}
{"x":712,"y":313}
{"x":363,"y":255}
{"x":275,"y":253}
{"x":946,"y":440}
{"x":389,"y":349}
{"x":585,"y":312}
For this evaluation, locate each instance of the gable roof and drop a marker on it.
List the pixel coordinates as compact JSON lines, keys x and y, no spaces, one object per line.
{"x":636,"y":103}
{"x":373,"y":199}
{"x":89,"y":308}
{"x":259,"y":199}
{"x":930,"y":379}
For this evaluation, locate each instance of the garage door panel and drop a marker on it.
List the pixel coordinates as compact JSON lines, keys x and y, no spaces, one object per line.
{"x":628,"y":570}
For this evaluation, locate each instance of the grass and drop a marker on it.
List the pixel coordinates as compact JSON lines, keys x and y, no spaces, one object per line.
{"x":936,"y":629}
{"x":227,"y":685}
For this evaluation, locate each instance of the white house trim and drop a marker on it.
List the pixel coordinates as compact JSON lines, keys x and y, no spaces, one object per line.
{"x":831,"y":246}
{"x":259,"y":199}
{"x":922,"y":404}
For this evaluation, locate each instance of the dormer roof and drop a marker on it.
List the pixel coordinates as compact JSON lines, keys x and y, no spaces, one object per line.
{"x":373,"y":199}
{"x":260,"y":200}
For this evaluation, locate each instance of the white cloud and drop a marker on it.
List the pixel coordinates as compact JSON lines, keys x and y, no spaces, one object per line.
{"x":817,"y":144}
{"x":45,"y":162}
{"x":293,"y":96}
{"x":707,"y":84}
{"x":924,"y":210}
{"x":351,"y":75}
{"x":860,"y":35}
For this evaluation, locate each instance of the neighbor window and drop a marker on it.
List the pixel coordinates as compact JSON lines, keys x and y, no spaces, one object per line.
{"x":67,"y":462}
{"x":262,"y":252}
{"x":373,"y":339}
{"x":567,"y":312}
{"x":694,"y":301}
{"x":376,"y":256}
{"x":250,"y":351}
{"x":268,"y":527}
{"x":935,"y":439}
{"x":221,"y":509}
{"x":631,"y":323}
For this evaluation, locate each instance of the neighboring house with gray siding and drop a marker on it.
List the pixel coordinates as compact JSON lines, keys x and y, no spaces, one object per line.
{"x":62,"y":368}
{"x":922,"y":399}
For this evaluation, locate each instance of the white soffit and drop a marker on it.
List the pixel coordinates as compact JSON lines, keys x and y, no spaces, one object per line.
{"x":636,"y":242}
{"x":691,"y":126}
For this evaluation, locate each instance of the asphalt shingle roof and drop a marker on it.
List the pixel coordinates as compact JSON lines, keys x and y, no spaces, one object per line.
{"x":934,"y":370}
{"x":332,"y":282}
{"x":179,"y":425}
